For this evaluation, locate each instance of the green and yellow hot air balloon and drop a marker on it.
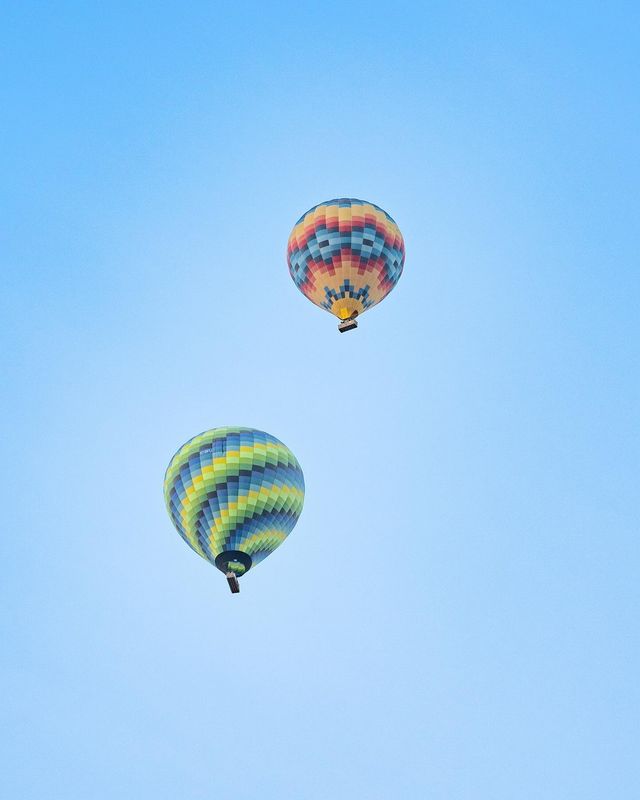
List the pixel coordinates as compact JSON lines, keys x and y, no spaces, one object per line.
{"x":234,"y":495}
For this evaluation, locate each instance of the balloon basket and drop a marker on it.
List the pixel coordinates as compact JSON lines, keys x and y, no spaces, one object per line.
{"x":234,"y":583}
{"x":347,"y":325}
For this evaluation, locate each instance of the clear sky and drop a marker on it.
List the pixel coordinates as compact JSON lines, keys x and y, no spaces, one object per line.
{"x":455,"y":615}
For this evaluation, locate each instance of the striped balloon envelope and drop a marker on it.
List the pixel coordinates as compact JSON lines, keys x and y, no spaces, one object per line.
{"x":345,"y":255}
{"x":234,"y":495}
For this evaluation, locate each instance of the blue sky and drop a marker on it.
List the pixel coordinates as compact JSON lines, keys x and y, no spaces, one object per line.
{"x":455,"y":615}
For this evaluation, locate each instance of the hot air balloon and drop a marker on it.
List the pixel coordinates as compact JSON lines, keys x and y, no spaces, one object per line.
{"x":234,"y":495}
{"x":345,"y":255}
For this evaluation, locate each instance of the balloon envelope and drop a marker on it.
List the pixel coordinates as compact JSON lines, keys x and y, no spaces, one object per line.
{"x":234,"y":495}
{"x":345,"y":255}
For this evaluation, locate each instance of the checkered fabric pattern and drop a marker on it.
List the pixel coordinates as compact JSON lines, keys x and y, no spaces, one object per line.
{"x":234,"y":489}
{"x":345,"y":255}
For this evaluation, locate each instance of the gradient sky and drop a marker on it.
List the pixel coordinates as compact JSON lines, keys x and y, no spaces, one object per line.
{"x":455,"y":615}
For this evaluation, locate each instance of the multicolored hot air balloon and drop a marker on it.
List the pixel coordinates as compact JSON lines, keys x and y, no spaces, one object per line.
{"x":234,"y":495}
{"x":345,"y":255}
